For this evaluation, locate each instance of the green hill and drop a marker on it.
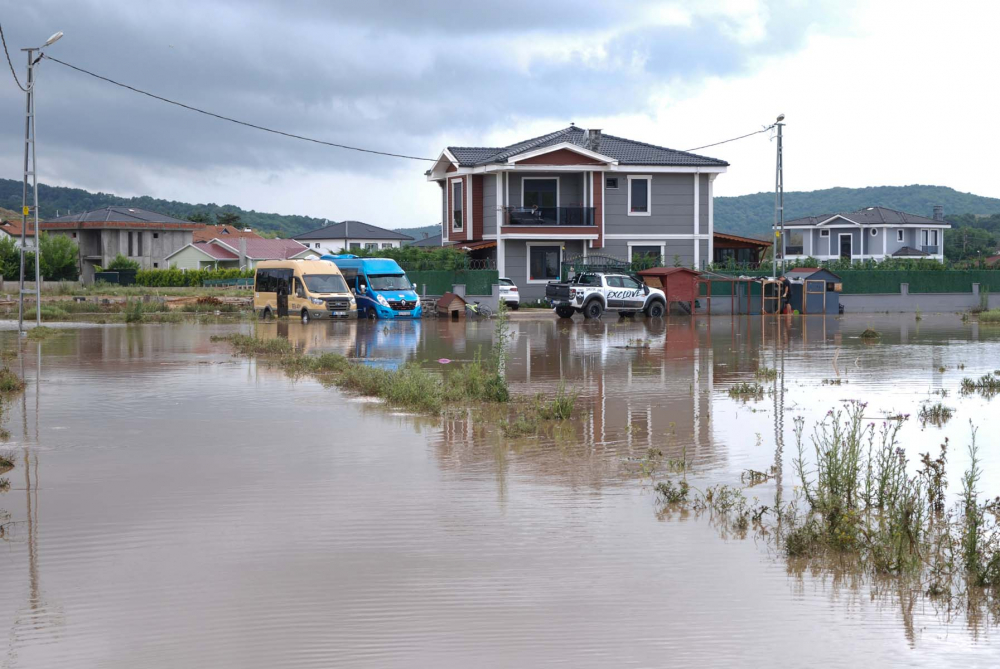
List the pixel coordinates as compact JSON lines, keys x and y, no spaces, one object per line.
{"x":57,"y":199}
{"x":752,"y":215}
{"x":418,"y":233}
{"x":749,"y":215}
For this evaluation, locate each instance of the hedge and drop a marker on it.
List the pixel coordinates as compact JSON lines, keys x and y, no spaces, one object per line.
{"x":177,"y":278}
{"x":439,"y":282}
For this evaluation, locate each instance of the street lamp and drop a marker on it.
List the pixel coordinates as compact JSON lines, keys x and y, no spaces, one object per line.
{"x":779,"y":201}
{"x":30,"y":170}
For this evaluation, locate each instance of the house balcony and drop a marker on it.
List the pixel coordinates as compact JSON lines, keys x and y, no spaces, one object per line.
{"x":537,"y":217}
{"x":931,"y":250}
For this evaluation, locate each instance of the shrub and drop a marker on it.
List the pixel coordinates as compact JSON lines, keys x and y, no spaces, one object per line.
{"x":58,"y":261}
{"x":10,"y":382}
{"x":121,"y":263}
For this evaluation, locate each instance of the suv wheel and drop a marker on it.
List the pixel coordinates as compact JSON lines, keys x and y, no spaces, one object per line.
{"x":565,"y":312}
{"x":655,"y":310}
{"x":593,"y":309}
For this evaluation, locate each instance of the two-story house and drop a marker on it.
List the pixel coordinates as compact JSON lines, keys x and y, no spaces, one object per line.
{"x":874,"y":233}
{"x":537,"y":203}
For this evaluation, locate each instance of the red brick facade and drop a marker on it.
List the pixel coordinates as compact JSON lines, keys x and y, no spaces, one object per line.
{"x":560,"y":157}
{"x":476,"y":215}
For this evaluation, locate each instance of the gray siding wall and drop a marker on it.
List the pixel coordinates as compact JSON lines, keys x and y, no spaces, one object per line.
{"x":570,"y":187}
{"x":674,"y":250}
{"x":489,"y":204}
{"x":672,"y":202}
{"x":516,"y":253}
{"x":703,"y":200}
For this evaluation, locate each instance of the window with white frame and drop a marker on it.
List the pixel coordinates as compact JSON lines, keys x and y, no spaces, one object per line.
{"x":824,"y":233}
{"x":371,"y":246}
{"x":317,"y":244}
{"x":611,"y":183}
{"x":638,"y":195}
{"x":387,"y":245}
{"x":456,"y":205}
{"x":899,"y":235}
{"x":646,"y":252}
{"x":544,"y":262}
{"x":874,"y":232}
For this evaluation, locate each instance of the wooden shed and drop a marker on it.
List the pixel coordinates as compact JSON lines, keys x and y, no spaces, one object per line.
{"x":814,"y":290}
{"x":679,"y":284}
{"x":451,"y":305}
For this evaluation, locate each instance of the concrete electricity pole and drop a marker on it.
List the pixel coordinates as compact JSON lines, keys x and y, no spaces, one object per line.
{"x":30,"y":170}
{"x":779,"y":202}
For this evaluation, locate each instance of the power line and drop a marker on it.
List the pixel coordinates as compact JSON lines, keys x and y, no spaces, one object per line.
{"x":7,"y":53}
{"x":233,"y":120}
{"x":726,"y":141}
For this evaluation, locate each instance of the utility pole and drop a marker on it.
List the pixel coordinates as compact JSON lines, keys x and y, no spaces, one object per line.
{"x":30,"y":170}
{"x":779,"y":202}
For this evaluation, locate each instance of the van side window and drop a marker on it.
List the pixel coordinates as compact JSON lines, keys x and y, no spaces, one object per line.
{"x":263,"y":281}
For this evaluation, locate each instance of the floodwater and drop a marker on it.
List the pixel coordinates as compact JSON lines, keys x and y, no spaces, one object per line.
{"x":175,"y":506}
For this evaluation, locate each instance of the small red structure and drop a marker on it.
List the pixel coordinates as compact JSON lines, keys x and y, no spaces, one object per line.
{"x":679,"y":284}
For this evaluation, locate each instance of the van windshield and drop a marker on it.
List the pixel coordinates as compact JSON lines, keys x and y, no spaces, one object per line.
{"x":325,"y":283}
{"x":389,"y":282}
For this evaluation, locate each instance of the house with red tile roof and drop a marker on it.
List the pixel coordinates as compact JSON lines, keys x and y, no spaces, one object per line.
{"x":225,"y":232}
{"x":242,"y":252}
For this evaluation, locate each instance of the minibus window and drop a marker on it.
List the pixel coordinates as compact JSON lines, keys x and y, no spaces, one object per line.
{"x":325,"y":283}
{"x":389,"y":282}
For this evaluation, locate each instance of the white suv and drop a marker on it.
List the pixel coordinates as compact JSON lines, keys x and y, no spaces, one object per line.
{"x":508,"y":294}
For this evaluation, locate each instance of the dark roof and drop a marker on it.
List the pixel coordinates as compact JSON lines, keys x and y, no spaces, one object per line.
{"x":433,"y":240}
{"x":667,"y":271}
{"x":737,"y":238}
{"x":872,"y":216}
{"x":802,"y":273}
{"x":909,"y":252}
{"x":625,"y":151}
{"x":118,"y":215}
{"x":351,"y":230}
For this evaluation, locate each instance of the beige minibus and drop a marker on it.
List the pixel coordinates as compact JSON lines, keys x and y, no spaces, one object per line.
{"x":301,"y":288}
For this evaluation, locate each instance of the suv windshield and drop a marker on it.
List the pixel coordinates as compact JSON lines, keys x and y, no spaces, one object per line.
{"x":325,"y":283}
{"x":389,"y":282}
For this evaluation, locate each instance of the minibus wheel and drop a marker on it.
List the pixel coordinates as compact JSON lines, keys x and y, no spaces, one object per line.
{"x":305,"y":315}
{"x":266,"y":314}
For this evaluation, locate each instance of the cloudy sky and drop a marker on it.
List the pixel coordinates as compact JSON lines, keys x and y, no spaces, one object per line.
{"x":875,"y":93}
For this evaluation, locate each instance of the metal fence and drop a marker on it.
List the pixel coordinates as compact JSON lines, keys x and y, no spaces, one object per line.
{"x":873,"y":282}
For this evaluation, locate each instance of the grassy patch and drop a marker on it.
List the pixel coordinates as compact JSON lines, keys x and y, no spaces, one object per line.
{"x":42,"y":332}
{"x":870,"y":336}
{"x":252,"y":347}
{"x":4,"y":484}
{"x":766,"y":373}
{"x":10,"y":383}
{"x":559,"y":407}
{"x":986,"y":385}
{"x":992,"y":316}
{"x":6,"y":460}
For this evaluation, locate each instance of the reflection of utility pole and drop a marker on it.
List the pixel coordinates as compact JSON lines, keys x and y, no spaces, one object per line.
{"x":779,"y":202}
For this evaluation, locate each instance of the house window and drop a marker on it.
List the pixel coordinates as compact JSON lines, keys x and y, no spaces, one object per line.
{"x":456,"y":205}
{"x":611,"y":183}
{"x":934,"y":237}
{"x":387,"y":245}
{"x":794,"y":243}
{"x":824,"y":233}
{"x":541,"y":193}
{"x":925,"y":237}
{"x":317,"y":245}
{"x":638,"y":196}
{"x":646,"y":253}
{"x":899,"y":235}
{"x":130,"y":234}
{"x":543,"y":262}
{"x":138,"y":236}
{"x":155,"y":265}
{"x":371,"y":246}
{"x":74,"y":237}
{"x":355,"y":245}
{"x":874,"y":232}
{"x":156,"y":235}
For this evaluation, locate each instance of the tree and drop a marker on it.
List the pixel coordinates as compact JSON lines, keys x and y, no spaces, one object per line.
{"x":967,"y":242}
{"x":227,"y":218}
{"x":58,"y":261}
{"x":10,"y":261}
{"x":199,"y":217}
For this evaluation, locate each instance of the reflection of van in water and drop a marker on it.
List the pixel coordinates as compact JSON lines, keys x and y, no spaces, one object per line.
{"x":305,"y":288}
{"x":380,"y":287}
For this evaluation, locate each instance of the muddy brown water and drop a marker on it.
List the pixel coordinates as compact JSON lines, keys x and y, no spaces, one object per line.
{"x":175,"y":506}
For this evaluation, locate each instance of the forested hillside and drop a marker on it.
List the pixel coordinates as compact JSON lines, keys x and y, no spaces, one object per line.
{"x":749,"y":215}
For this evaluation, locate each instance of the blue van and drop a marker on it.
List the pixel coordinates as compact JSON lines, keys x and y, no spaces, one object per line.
{"x":381,"y":287}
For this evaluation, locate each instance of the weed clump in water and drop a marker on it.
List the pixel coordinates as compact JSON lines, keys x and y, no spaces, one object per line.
{"x":6,"y":461}
{"x":870,"y":336}
{"x":10,"y":382}
{"x":747,"y":391}
{"x":41,"y":332}
{"x":254,"y":346}
{"x":986,"y":385}
{"x":559,"y":407}
{"x":4,"y":484}
{"x":671,"y":494}
{"x":766,"y":373}
{"x":936,"y":414}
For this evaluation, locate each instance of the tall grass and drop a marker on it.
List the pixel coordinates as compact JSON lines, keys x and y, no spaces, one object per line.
{"x":10,"y":382}
{"x":989,"y":316}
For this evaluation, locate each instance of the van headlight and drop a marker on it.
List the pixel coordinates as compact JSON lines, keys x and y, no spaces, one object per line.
{"x":381,"y":300}
{"x":316,"y":300}
{"x":351,"y":300}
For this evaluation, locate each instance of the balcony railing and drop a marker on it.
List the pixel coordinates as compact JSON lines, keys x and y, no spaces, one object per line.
{"x":933,"y":250}
{"x":549,"y":216}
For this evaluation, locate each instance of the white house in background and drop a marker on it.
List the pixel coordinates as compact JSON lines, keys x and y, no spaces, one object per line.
{"x":873,"y":233}
{"x":351,"y":235}
{"x":244,"y":252}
